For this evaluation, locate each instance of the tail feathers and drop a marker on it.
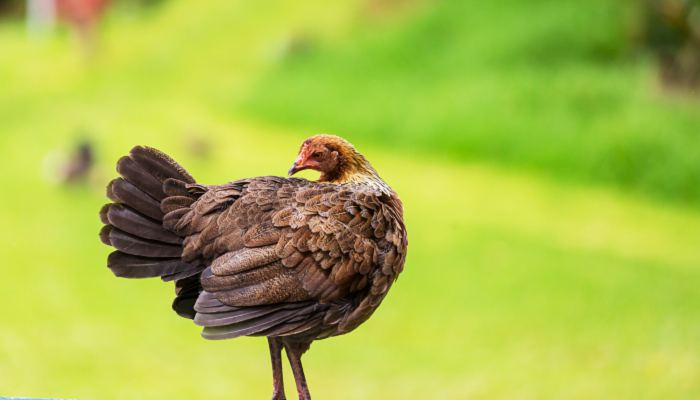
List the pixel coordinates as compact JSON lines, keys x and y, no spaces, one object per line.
{"x":136,"y":246}
{"x":123,"y":192}
{"x":130,"y":266}
{"x":187,"y":291}
{"x":180,"y":196}
{"x":150,"y":183}
{"x":159,"y":164}
{"x":130,"y":221}
{"x":174,"y":203}
{"x":140,"y":177}
{"x":149,"y":168}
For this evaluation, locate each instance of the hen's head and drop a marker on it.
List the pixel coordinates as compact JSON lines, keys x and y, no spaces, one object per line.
{"x":335,"y":158}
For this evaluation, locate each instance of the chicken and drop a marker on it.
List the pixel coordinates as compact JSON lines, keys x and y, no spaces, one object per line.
{"x":286,"y":258}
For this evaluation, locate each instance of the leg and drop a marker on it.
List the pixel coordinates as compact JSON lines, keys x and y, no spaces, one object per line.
{"x":294,"y":352}
{"x":277,"y":380}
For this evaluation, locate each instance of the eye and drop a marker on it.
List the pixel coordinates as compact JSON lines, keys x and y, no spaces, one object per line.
{"x":316,"y":154}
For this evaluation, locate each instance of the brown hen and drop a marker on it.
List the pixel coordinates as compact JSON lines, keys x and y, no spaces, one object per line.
{"x":286,"y":258}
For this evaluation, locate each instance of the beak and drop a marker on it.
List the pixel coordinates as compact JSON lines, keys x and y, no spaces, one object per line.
{"x":295,"y":167}
{"x":292,"y":170}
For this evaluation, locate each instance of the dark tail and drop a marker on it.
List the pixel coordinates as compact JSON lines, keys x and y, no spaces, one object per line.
{"x":151,"y":185}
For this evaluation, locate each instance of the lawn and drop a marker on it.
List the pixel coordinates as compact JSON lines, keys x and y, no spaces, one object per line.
{"x":519,"y":283}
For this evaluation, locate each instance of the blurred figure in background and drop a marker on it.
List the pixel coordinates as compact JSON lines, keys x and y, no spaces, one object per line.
{"x":78,"y":166}
{"x":74,"y":166}
{"x":41,"y":16}
{"x":83,"y":16}
{"x":198,"y":145}
{"x":296,"y":44}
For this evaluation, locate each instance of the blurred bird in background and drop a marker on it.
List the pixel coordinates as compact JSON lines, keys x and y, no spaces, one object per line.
{"x":78,"y":166}
{"x":286,"y":258}
{"x":71,"y":167}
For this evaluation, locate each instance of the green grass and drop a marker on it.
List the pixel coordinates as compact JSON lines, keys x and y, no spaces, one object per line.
{"x":547,"y":85}
{"x":517,"y":285}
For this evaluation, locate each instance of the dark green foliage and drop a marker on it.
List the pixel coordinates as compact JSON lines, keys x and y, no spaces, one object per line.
{"x":11,"y":8}
{"x":547,"y":85}
{"x":672,"y":33}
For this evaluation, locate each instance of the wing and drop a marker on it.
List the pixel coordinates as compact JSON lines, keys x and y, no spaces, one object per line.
{"x":345,"y":242}
{"x":289,"y":256}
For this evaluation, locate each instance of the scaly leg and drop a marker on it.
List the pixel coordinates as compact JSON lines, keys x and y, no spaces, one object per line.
{"x":294,"y":352}
{"x":277,"y":379}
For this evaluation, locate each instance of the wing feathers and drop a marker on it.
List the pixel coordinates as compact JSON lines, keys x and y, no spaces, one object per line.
{"x":253,"y":320}
{"x":243,"y":260}
{"x":296,"y":327}
{"x":233,"y":315}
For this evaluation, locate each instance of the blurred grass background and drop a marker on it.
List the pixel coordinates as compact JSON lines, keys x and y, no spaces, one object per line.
{"x":551,"y":188}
